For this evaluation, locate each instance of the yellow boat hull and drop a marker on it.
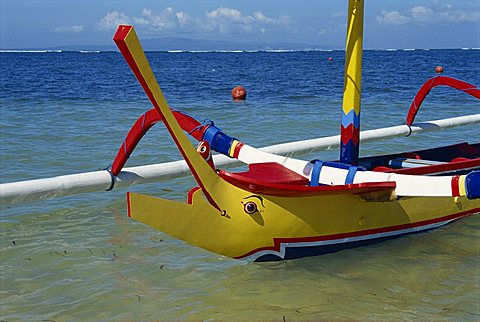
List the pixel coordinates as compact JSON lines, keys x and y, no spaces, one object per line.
{"x":286,"y":228}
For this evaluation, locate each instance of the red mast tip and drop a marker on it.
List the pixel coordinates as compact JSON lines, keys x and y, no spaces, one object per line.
{"x":121,"y":33}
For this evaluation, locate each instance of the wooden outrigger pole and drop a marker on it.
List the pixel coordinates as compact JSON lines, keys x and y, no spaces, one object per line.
{"x":87,"y":182}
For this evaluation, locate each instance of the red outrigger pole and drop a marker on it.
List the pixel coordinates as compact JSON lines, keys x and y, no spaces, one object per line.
{"x":140,"y":128}
{"x":434,"y":82}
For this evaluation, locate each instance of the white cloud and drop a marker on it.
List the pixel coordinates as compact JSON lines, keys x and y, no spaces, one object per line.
{"x":391,"y":18}
{"x":258,"y":16}
{"x":443,"y":14}
{"x":221,"y":12}
{"x":183,"y":18}
{"x":225,"y":20}
{"x":221,"y":20}
{"x":69,"y":29}
{"x":112,"y":20}
{"x":463,"y":16}
{"x":165,"y":20}
{"x":422,"y":15}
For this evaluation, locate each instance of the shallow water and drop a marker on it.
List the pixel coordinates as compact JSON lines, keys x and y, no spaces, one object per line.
{"x":81,"y":258}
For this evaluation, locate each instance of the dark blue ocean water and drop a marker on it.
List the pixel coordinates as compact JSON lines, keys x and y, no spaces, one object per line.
{"x":78,"y":257}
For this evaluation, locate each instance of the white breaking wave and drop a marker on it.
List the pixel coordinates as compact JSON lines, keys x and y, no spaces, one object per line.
{"x":29,"y":51}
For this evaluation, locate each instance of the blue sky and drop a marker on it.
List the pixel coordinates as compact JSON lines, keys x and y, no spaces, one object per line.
{"x":388,"y":23}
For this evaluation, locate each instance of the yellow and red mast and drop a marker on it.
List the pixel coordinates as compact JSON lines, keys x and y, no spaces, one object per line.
{"x":350,"y":128}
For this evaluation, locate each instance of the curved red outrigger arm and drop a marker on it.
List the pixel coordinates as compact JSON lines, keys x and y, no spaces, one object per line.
{"x":140,"y":128}
{"x":437,"y":81}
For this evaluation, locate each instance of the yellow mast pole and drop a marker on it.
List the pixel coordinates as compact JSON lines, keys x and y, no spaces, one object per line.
{"x":350,"y":128}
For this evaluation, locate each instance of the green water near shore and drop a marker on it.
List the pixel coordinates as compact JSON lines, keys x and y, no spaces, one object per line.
{"x":95,"y":264}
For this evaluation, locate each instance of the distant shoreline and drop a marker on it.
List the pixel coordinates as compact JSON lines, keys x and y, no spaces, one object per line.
{"x":221,"y":50}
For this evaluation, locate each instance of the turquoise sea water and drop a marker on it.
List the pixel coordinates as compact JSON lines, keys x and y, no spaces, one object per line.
{"x":81,"y":258}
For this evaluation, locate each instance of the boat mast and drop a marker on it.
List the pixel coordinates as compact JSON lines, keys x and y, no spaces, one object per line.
{"x":350,"y":128}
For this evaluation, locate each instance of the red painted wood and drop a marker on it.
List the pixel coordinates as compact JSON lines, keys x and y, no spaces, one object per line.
{"x":276,"y":180}
{"x":272,"y":172}
{"x":190,"y":195}
{"x":455,"y":188}
{"x":349,"y":133}
{"x":141,"y":127}
{"x":434,"y":82}
{"x":236,"y":150}
{"x":128,"y":205}
{"x":438,"y":168}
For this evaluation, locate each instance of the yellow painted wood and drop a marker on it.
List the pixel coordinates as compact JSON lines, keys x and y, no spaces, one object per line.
{"x":353,"y":60}
{"x":461,"y":186}
{"x":282,"y":217}
{"x":212,"y":184}
{"x":136,"y":50}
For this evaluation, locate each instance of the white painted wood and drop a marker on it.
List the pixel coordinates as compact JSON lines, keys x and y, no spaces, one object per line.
{"x":30,"y":190}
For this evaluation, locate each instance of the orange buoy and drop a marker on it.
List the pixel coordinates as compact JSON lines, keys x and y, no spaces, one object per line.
{"x":330,"y":58}
{"x":439,"y":69}
{"x":239,"y":93}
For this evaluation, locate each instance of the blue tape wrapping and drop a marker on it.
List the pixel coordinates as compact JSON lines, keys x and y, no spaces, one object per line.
{"x":338,"y":165}
{"x":351,"y":174}
{"x":317,"y":168}
{"x":218,"y":140}
{"x":472,"y":185}
{"x":210,"y":133}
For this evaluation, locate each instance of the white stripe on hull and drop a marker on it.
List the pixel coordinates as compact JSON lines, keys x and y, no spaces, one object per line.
{"x":284,"y":246}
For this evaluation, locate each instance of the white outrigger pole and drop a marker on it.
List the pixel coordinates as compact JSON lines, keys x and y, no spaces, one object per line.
{"x":30,"y":190}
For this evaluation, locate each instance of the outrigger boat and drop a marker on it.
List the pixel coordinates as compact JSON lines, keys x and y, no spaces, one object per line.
{"x":286,"y":208}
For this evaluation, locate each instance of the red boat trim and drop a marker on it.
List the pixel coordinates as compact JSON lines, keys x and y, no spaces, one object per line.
{"x":434,"y":82}
{"x":120,"y":39}
{"x":128,"y":205}
{"x":439,"y":168}
{"x":279,"y":241}
{"x":455,"y":188}
{"x":190,"y":195}
{"x":236,"y":150}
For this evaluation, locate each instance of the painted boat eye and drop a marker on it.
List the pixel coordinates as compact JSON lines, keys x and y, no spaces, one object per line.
{"x":250,"y":207}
